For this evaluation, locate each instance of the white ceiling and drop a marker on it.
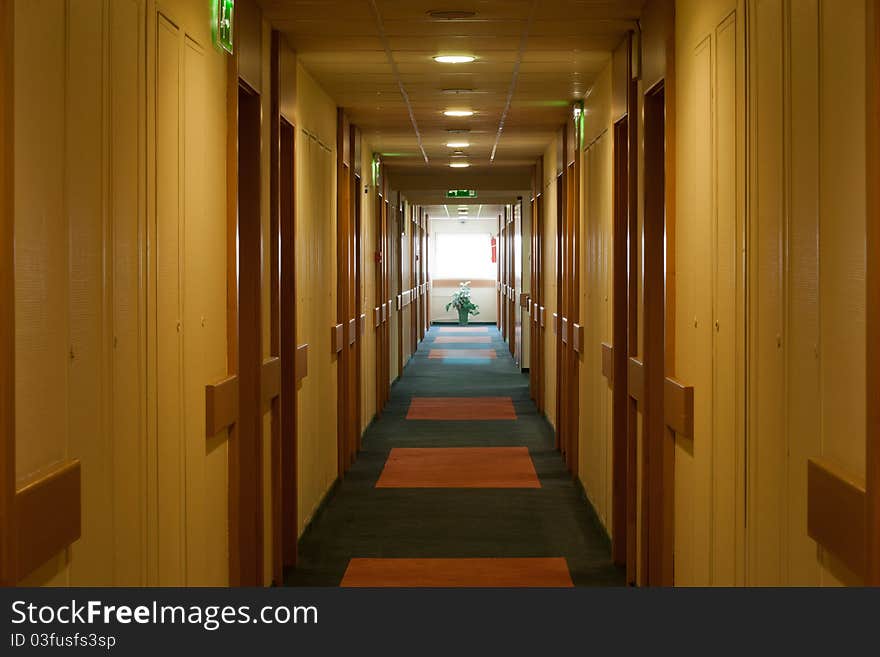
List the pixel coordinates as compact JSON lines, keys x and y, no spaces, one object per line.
{"x":475,"y":211}
{"x":375,"y":58}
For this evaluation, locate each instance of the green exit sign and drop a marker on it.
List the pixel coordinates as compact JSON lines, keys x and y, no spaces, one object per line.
{"x":461,"y":193}
{"x":223,"y":22}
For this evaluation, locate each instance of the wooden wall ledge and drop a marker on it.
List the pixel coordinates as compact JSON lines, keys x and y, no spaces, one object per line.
{"x":608,"y":362}
{"x":48,"y":515}
{"x":221,"y":405}
{"x":301,"y":366}
{"x":270,"y":379}
{"x":337,"y":338}
{"x":836,"y":513}
{"x":635,"y":375}
{"x":678,"y":399}
{"x":352,"y":331}
{"x":678,"y":407}
{"x":577,"y":338}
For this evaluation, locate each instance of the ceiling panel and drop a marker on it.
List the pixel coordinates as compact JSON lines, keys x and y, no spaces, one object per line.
{"x":567,"y":43}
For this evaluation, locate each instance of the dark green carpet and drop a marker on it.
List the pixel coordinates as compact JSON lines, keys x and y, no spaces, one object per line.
{"x":359,"y":520}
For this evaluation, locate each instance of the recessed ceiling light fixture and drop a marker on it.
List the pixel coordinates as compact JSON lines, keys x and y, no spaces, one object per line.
{"x":459,"y":165}
{"x":458,"y":113}
{"x":450,"y":14}
{"x":457,"y":92}
{"x":454,"y":59}
{"x":458,"y":144}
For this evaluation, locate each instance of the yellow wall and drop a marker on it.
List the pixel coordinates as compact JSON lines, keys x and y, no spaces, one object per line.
{"x":808,"y":273}
{"x":549,"y":218}
{"x":316,"y":290}
{"x":804,"y":269}
{"x":369,"y":232}
{"x":709,"y":284}
{"x":90,"y":335}
{"x":594,"y":435}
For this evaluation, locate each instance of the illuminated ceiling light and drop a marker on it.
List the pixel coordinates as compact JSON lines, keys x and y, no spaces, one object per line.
{"x":459,"y":165}
{"x":458,"y":113}
{"x":454,"y":59}
{"x":458,"y":144}
{"x":450,"y":14}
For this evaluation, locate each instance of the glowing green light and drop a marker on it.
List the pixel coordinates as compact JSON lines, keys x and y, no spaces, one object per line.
{"x":222,"y":23}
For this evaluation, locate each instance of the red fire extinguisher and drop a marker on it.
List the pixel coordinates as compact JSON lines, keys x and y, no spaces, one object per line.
{"x":494,"y":250}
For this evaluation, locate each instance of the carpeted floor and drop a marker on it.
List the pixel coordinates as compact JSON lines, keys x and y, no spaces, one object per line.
{"x":444,"y":526}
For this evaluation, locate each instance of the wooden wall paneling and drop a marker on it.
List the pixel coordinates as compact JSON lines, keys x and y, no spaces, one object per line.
{"x":47,"y":516}
{"x":872,"y":456}
{"x":246,"y":452}
{"x":8,"y":565}
{"x":294,"y":360}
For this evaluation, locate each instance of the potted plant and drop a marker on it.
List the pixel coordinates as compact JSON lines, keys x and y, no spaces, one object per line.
{"x":461,"y":301}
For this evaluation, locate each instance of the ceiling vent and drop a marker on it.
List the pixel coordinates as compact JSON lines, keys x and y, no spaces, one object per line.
{"x":450,"y":14}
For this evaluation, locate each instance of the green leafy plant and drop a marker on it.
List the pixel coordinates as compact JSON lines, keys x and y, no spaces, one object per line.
{"x":461,"y":301}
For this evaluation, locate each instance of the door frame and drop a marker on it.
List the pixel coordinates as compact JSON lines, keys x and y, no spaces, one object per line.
{"x":245,"y":464}
{"x":658,"y":455}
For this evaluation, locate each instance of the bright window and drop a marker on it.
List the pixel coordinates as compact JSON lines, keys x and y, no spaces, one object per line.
{"x":463,"y":255}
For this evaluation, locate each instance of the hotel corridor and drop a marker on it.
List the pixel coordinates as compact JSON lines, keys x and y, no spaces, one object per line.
{"x":444,"y":493}
{"x":423,"y":293}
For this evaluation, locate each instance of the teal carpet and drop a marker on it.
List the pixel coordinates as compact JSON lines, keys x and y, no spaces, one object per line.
{"x":359,"y":520}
